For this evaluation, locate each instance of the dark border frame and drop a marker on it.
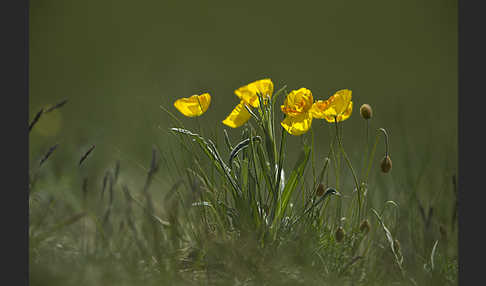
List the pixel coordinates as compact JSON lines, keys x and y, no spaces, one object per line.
{"x":14,"y":212}
{"x":470,"y":143}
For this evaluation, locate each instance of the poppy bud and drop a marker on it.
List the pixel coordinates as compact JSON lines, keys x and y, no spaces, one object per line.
{"x":366,"y":111}
{"x":365,"y":227}
{"x":340,"y":234}
{"x":320,"y":190}
{"x":386,"y":164}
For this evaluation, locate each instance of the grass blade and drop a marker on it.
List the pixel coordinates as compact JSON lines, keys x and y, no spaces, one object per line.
{"x":293,"y":181}
{"x":240,"y":146}
{"x":86,"y":154}
{"x":57,"y":105}
{"x":432,"y":254}
{"x":36,"y":118}
{"x":48,"y":154}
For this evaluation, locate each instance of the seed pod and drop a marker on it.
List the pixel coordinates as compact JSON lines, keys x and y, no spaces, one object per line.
{"x":365,"y":227}
{"x":386,"y":164}
{"x":366,"y":111}
{"x":340,"y":234}
{"x":320,"y":190}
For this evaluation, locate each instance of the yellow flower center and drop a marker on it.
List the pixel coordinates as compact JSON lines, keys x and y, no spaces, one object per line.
{"x":298,"y":102}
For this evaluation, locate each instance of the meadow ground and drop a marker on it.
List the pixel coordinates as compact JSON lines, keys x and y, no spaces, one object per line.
{"x":269,"y":208}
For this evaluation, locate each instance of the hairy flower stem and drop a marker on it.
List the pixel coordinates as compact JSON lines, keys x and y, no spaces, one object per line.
{"x":337,"y":169}
{"x":358,"y":189}
{"x":367,"y":151}
{"x":386,"y":140}
{"x":370,"y":158}
{"x":197,"y":119}
{"x":199,"y":130}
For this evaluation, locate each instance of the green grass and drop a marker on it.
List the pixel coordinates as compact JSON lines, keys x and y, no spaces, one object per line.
{"x":208,"y":207}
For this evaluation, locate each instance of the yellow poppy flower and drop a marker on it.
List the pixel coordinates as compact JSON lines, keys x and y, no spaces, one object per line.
{"x":337,"y":108}
{"x":193,"y":106}
{"x":317,"y":109}
{"x":297,"y":107}
{"x":238,"y":116}
{"x":297,"y":125}
{"x":248,"y":95}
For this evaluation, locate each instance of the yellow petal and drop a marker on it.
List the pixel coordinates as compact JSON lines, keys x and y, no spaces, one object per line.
{"x":248,"y":93}
{"x":297,"y":102}
{"x":205,"y":101}
{"x":318,"y":108}
{"x":339,"y":107}
{"x":238,"y":116}
{"x":297,"y":125}
{"x":339,"y":102}
{"x":331,"y":117}
{"x":346,"y":114}
{"x":193,"y":106}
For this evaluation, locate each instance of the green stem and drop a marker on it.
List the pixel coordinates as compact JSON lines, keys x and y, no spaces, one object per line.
{"x":276,"y":192}
{"x":313,"y":159}
{"x":367,"y":151}
{"x":352,"y":171}
{"x":336,"y":169}
{"x":370,"y":160}
{"x":386,"y":140}
{"x":374,"y":149}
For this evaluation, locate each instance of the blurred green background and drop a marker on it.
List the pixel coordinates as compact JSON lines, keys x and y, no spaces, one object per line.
{"x":118,"y":61}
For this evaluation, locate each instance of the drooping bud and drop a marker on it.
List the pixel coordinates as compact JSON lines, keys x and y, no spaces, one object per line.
{"x":320,"y":190}
{"x":386,"y":164}
{"x":340,"y":234}
{"x":365,"y":227}
{"x":366,"y":111}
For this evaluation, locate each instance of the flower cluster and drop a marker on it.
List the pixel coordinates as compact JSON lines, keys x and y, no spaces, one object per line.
{"x":299,"y":106}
